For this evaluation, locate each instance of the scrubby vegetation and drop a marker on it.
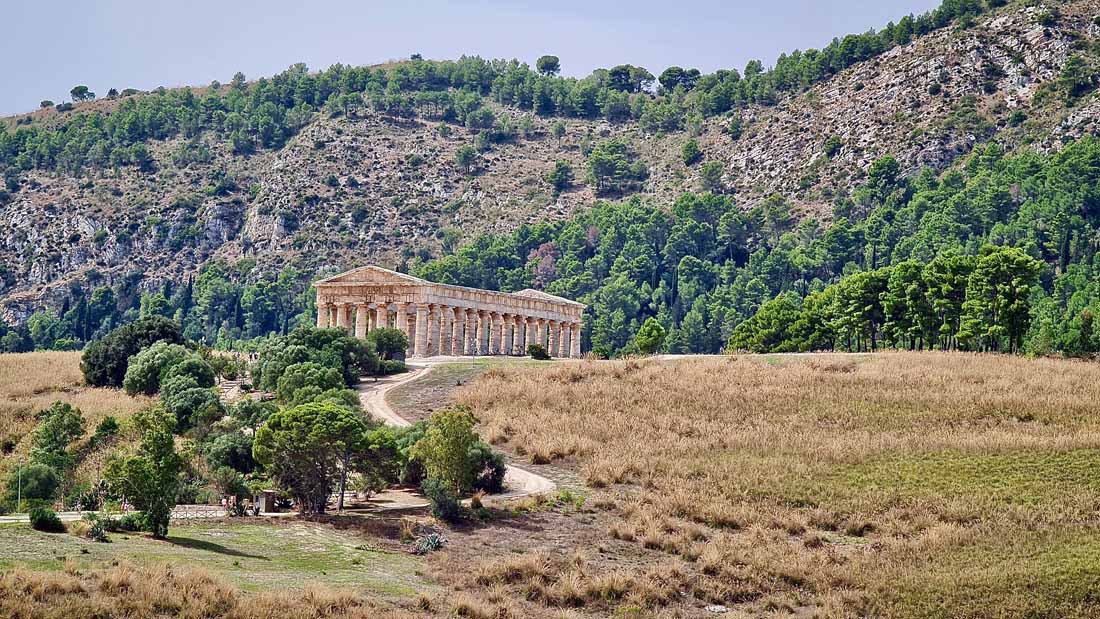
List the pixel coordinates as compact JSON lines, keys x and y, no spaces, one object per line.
{"x":311,"y":441}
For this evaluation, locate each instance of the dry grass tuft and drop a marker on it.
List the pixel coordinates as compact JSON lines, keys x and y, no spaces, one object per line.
{"x":164,"y":591}
{"x":829,"y":485}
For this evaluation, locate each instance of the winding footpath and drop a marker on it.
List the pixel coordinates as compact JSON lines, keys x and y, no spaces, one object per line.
{"x":518,"y":482}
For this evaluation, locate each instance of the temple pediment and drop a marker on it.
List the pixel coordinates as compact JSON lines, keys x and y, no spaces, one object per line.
{"x":372,"y":275}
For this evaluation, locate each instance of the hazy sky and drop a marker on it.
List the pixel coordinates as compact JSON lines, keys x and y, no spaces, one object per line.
{"x":48,"y":47}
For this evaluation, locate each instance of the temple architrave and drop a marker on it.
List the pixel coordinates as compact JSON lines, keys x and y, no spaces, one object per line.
{"x":441,"y":319}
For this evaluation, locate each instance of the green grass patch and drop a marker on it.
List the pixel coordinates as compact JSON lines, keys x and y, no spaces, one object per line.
{"x":1042,"y":574}
{"x":1024,"y":477}
{"x":255,"y":557}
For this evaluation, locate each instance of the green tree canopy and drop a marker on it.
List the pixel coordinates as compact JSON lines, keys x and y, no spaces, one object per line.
{"x":650,"y":337}
{"x":150,"y":478}
{"x":105,"y":361}
{"x":60,"y":425}
{"x":302,"y":448}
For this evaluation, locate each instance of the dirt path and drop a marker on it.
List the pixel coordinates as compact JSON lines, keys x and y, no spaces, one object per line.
{"x":372,"y":395}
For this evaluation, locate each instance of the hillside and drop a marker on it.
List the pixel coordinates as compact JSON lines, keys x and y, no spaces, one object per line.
{"x":375,"y":186}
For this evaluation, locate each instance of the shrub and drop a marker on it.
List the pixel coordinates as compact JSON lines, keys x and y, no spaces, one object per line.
{"x":34,"y":482}
{"x":561,"y":177}
{"x":170,"y":387}
{"x":710,"y":177}
{"x":691,"y":153}
{"x":97,"y":531}
{"x":538,"y":352}
{"x":60,"y":425}
{"x":488,"y":468}
{"x":146,"y":369}
{"x":105,"y":361}
{"x":300,"y":377}
{"x":46,"y":520}
{"x":104,"y":432}
{"x":132,"y":522}
{"x":193,"y":407}
{"x":444,"y":502}
{"x":253,"y":413}
{"x":329,"y":347}
{"x":428,"y":543}
{"x":445,"y":448}
{"x":650,"y":336}
{"x":392,"y":366}
{"x":229,"y":449}
{"x":195,"y":367}
{"x":388,"y":342}
{"x":734,"y":128}
{"x":614,"y":167}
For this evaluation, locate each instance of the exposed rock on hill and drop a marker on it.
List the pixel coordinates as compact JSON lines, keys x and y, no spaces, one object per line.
{"x":369,"y":188}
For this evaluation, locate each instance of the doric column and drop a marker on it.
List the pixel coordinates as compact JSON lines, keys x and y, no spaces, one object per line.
{"x":552,"y":339}
{"x":562,"y":347}
{"x":433,"y":331}
{"x":420,"y":346}
{"x":540,"y":333}
{"x":497,"y":325}
{"x":379,"y":316}
{"x":484,"y":320}
{"x":401,"y":322}
{"x":322,"y":315}
{"x":518,"y":323}
{"x":458,"y":333}
{"x":446,"y":329}
{"x":575,"y":341}
{"x":470,"y":346}
{"x":531,"y":328}
{"x":360,"y":320}
{"x":410,"y":329}
{"x":566,"y":336}
{"x":503,"y":336}
{"x":342,"y":316}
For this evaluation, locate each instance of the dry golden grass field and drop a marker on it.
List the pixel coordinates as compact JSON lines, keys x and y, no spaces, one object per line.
{"x":896,"y":485}
{"x":31,"y":382}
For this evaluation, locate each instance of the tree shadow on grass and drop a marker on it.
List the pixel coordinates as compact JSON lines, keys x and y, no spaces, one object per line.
{"x":205,"y":546}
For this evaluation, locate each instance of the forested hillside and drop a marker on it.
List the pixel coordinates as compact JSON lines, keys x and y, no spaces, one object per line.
{"x":997,"y":254}
{"x":692,"y":199}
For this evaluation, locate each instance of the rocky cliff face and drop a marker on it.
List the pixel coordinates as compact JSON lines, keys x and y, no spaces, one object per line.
{"x":349,"y":191}
{"x":926,"y":103}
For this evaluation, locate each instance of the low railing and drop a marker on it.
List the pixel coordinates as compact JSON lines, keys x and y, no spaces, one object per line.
{"x":192,"y":512}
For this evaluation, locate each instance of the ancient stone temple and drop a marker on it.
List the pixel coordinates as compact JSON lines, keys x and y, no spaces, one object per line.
{"x":441,"y":319}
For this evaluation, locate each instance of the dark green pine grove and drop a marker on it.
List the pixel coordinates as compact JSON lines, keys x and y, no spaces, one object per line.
{"x":267,"y":112}
{"x":999,"y":255}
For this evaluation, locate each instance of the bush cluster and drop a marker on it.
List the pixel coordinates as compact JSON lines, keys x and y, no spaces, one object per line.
{"x":46,"y":520}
